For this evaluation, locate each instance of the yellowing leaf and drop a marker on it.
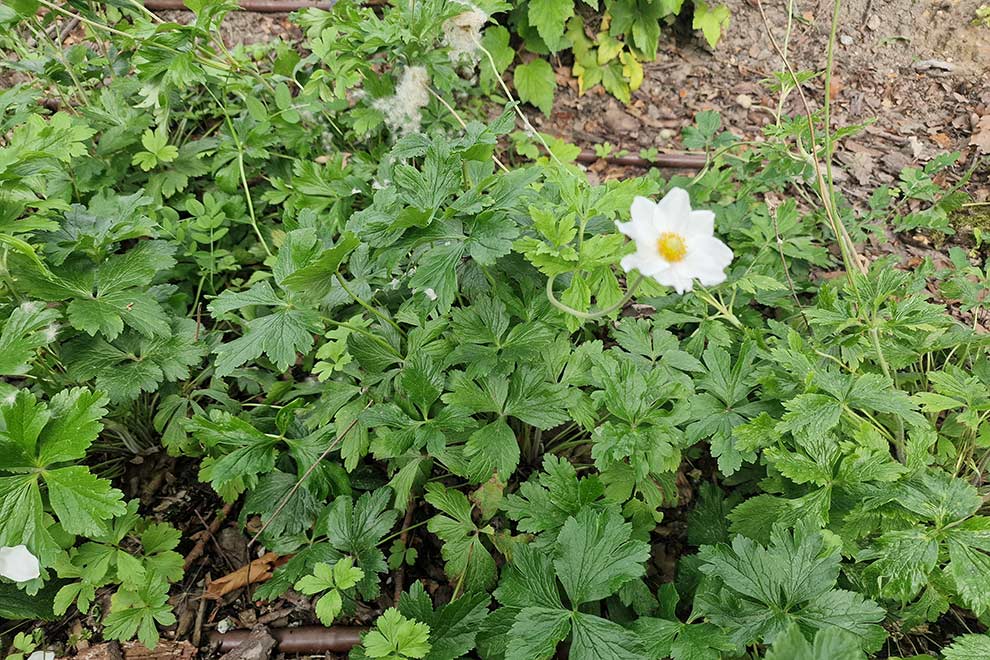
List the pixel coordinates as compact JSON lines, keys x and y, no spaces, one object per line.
{"x":711,"y":21}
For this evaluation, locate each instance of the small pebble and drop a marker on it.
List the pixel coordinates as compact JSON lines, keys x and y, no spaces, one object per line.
{"x":846,"y":40}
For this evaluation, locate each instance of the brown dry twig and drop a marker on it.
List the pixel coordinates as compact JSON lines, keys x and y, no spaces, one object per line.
{"x":214,"y":527}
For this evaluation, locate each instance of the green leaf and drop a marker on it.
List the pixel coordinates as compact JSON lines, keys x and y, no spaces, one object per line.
{"x":16,"y":604}
{"x":969,"y":562}
{"x":320,"y":580}
{"x":681,"y":641}
{"x":453,"y":626}
{"x":492,"y":449}
{"x":345,"y":574}
{"x":133,"y":363}
{"x":545,"y":503}
{"x":905,"y":558}
{"x":139,"y":612}
{"x":239,"y":453}
{"x":597,"y":555}
{"x":316,"y":278}
{"x":711,"y":21}
{"x":81,"y":500}
{"x":329,"y":606}
{"x":29,"y":327}
{"x":758,"y":591}
{"x":280,"y":335}
{"x":830,"y":644}
{"x":549,"y":18}
{"x":535,"y":83}
{"x":106,"y":298}
{"x":595,"y":638}
{"x":536,"y":633}
{"x":357,"y":528}
{"x":396,"y":637}
{"x":467,"y":559}
{"x":437,"y":271}
{"x":968,"y":647}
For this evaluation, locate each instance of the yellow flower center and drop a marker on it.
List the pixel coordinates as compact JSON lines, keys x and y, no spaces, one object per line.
{"x":671,"y":246}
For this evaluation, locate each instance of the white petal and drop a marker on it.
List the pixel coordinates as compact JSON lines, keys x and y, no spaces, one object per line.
{"x":711,"y":251}
{"x":647,"y":263}
{"x":674,"y":277}
{"x":706,"y":261}
{"x":673,"y":211}
{"x":700,"y":223}
{"x":675,"y":202}
{"x":18,"y":564}
{"x":642,"y":208}
{"x":641,"y":229}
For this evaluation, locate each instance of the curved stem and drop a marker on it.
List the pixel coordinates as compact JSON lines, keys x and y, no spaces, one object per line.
{"x":360,"y":301}
{"x":590,"y":316}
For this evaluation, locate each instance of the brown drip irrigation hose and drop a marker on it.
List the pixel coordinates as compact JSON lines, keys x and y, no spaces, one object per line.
{"x":305,"y":639}
{"x":260,"y":6}
{"x":673,"y":161}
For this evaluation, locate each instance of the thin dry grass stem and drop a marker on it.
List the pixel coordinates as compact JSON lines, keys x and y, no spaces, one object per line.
{"x":850,"y":255}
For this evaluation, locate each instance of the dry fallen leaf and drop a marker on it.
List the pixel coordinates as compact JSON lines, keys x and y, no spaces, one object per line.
{"x":981,"y":136}
{"x":259,"y":570}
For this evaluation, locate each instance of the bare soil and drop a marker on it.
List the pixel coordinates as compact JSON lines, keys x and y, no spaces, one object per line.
{"x":918,"y":71}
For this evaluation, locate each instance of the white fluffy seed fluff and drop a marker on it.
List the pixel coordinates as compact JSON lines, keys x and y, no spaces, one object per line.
{"x":403,"y":111}
{"x":462,"y":34}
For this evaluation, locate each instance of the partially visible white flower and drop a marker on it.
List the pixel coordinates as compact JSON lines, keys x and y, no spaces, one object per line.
{"x":403,"y":111}
{"x":42,"y":655}
{"x":675,"y":245}
{"x":462,"y":33}
{"x":18,"y":564}
{"x":430,"y":293}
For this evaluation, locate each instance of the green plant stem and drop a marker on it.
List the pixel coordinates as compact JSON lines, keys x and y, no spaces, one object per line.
{"x":899,"y":424}
{"x":723,"y":311}
{"x":850,"y":256}
{"x":360,"y":301}
{"x":589,"y":316}
{"x":827,"y":103}
{"x":240,"y":168}
{"x":402,"y":531}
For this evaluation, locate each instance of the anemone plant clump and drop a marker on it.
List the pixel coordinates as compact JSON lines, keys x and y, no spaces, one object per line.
{"x":343,"y":292}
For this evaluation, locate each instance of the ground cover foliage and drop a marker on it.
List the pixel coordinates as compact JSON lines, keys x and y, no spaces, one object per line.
{"x":337,"y":277}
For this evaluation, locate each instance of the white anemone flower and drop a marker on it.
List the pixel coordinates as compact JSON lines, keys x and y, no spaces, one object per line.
{"x":675,"y":245}
{"x":18,"y":564}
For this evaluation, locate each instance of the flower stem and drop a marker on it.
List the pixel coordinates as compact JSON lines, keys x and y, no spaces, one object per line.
{"x":597,"y":314}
